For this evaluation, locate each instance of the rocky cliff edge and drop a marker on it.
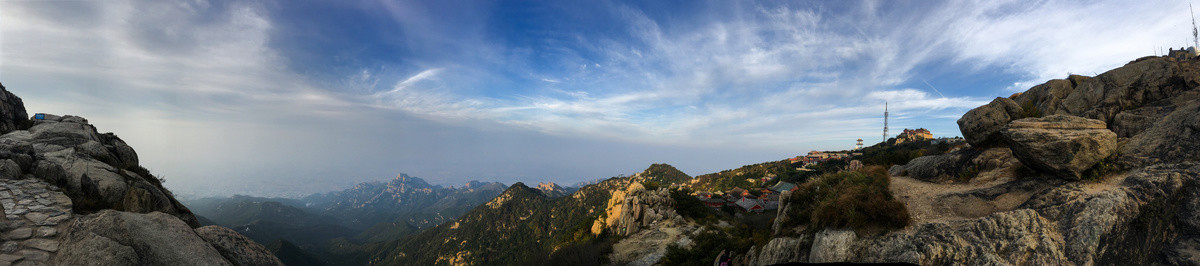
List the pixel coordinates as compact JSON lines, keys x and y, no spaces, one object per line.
{"x":74,"y":196}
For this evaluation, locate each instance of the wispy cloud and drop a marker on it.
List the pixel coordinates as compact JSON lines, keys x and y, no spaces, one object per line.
{"x":444,"y":79}
{"x":741,"y":69}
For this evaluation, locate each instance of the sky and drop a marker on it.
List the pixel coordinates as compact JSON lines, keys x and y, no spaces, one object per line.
{"x":287,"y":98}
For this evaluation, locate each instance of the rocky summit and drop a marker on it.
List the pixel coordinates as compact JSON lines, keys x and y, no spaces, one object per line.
{"x":1083,"y":171}
{"x":74,"y":196}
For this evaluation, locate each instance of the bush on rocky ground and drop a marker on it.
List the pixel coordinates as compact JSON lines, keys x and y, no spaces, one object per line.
{"x":849,"y":200}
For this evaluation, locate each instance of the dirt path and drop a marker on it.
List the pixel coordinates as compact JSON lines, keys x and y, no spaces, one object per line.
{"x":919,"y":197}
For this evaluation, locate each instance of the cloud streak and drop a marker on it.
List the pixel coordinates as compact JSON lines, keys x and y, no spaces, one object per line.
{"x":309,"y":95}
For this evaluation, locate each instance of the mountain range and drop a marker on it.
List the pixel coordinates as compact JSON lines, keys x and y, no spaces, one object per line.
{"x":367,"y":212}
{"x":1082,"y":170}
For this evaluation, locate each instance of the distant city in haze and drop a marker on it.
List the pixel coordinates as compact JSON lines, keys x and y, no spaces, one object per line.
{"x":289,"y":98}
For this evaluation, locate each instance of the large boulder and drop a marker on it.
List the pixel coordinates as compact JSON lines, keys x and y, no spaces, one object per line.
{"x":12,"y":111}
{"x":156,"y":238}
{"x":981,"y":126}
{"x":1061,"y":145}
{"x":939,"y":168}
{"x":237,"y":248}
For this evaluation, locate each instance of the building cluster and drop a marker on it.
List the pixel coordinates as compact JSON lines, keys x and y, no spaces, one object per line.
{"x":947,"y":140}
{"x":816,"y":157}
{"x":909,"y":135}
{"x":767,"y":198}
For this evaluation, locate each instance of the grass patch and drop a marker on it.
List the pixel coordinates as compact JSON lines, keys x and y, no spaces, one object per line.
{"x":854,"y":200}
{"x":1029,"y":110}
{"x":968,"y":173}
{"x":1106,"y":166}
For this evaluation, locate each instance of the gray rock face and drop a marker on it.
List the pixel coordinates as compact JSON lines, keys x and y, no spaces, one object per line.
{"x":1172,"y":139}
{"x":12,"y":111}
{"x":1061,"y":145}
{"x":1046,"y":98}
{"x":783,"y":250}
{"x":237,"y":248}
{"x":92,"y":249}
{"x":981,"y":126}
{"x":832,"y":246}
{"x":939,"y":168}
{"x":98,"y":171}
{"x":156,"y":238}
{"x":98,"y":174}
{"x":1019,"y":237}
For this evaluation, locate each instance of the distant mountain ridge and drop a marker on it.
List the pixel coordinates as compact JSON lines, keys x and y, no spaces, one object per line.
{"x":415,"y":201}
{"x":521,"y":226}
{"x":367,"y":212}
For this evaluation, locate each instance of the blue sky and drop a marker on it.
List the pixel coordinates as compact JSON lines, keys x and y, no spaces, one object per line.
{"x":294,"y":97}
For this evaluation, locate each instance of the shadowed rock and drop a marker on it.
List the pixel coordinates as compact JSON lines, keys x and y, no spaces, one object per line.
{"x":981,"y":126}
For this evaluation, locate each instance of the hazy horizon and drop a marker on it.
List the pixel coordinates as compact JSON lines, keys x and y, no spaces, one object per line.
{"x":289,"y":98}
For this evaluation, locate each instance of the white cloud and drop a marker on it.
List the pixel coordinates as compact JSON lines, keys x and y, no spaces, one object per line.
{"x":193,"y":87}
{"x":741,"y":72}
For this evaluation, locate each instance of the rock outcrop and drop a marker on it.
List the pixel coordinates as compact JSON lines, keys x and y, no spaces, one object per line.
{"x":74,"y":196}
{"x":939,"y":168}
{"x":629,"y":210}
{"x":238,"y":249}
{"x":1146,"y":114}
{"x":981,"y":126}
{"x":156,"y":239}
{"x":1173,"y":138}
{"x":782,"y":250}
{"x":831,"y":246}
{"x":98,"y":171}
{"x":12,"y":111}
{"x":1060,"y":145}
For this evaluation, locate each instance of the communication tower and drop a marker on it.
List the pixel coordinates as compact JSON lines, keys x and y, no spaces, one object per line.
{"x":885,"y":118}
{"x":1195,"y":33}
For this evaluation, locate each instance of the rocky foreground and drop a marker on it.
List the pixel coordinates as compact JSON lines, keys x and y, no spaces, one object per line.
{"x":74,"y":196}
{"x":1083,"y":170}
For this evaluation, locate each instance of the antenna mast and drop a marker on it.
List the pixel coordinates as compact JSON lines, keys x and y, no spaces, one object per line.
{"x":885,"y":118}
{"x":1195,"y":33}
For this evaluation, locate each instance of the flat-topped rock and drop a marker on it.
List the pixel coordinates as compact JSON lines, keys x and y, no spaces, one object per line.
{"x":1060,"y":145}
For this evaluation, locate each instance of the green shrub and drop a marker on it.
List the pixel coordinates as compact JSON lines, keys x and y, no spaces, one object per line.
{"x":1106,"y":166}
{"x":651,"y":185}
{"x":689,"y":206}
{"x":705,"y":248}
{"x":854,"y":200}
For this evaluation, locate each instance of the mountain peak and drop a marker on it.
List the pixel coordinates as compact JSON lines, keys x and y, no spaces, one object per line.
{"x":664,"y":173}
